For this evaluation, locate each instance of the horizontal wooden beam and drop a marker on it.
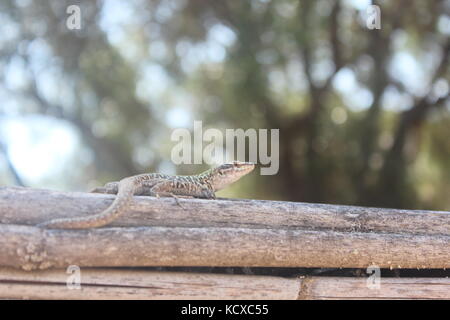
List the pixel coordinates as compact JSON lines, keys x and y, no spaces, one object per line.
{"x":158,"y":232}
{"x":33,"y":248}
{"x":32,"y":206}
{"x":110,"y":283}
{"x":333,"y":288}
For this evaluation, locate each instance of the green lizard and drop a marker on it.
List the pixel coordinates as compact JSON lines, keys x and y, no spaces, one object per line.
{"x":203,"y":185}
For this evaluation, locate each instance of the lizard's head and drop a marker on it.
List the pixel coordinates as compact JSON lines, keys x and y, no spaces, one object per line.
{"x":228,"y":173}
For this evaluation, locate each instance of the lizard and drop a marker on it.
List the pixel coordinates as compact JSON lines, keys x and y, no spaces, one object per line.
{"x":203,"y":185}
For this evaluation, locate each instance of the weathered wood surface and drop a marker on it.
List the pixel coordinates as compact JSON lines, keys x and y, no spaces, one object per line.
{"x":328,"y":288}
{"x":33,"y":248}
{"x":108,"y":283}
{"x":238,"y":233}
{"x":32,"y":206}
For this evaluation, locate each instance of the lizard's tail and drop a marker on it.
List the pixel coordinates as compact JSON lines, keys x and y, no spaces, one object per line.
{"x":127,"y":188}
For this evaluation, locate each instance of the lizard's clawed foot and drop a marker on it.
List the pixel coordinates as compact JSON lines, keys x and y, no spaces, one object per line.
{"x":178,"y":197}
{"x":166,"y":194}
{"x":177,"y":200}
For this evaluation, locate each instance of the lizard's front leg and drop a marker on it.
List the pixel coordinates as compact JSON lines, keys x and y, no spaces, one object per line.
{"x":161,"y":189}
{"x":177,"y":189}
{"x":170,"y":188}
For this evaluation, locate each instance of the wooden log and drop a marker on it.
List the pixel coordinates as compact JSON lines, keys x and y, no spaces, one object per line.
{"x":32,"y":206}
{"x":109,"y":283}
{"x":34,"y":248}
{"x":135,"y":284}
{"x":219,"y":233}
{"x":332,"y":288}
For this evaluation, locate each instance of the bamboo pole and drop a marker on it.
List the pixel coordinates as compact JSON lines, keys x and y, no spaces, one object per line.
{"x":33,"y":248}
{"x":219,"y":233}
{"x":32,"y":206}
{"x":333,"y":288}
{"x":108,"y":283}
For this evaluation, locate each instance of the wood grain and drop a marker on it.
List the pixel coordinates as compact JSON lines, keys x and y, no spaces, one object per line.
{"x":110,"y":283}
{"x":250,"y":233}
{"x":30,"y":248}
{"x":33,"y":206}
{"x":330,"y":288}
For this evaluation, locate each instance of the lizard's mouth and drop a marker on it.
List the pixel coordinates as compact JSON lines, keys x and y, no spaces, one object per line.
{"x":240,"y":163}
{"x":248,"y":166}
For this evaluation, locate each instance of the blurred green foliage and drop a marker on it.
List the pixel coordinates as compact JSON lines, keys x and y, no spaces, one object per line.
{"x":363,"y":114}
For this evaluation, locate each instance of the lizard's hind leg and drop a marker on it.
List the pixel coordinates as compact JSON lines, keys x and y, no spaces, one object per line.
{"x":110,"y":188}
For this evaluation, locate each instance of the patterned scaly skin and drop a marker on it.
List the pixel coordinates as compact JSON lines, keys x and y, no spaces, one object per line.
{"x":203,"y":185}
